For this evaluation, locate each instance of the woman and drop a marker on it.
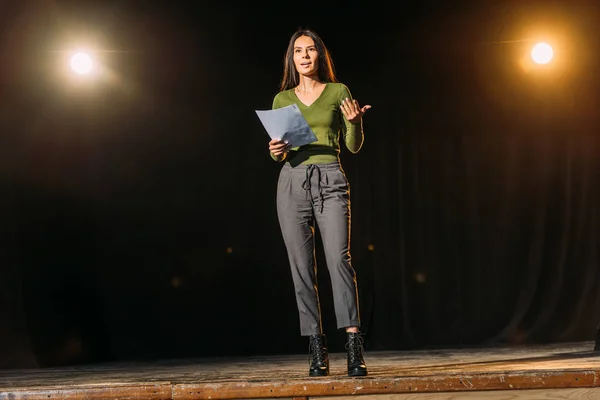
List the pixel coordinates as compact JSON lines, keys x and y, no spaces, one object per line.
{"x":313,"y":187}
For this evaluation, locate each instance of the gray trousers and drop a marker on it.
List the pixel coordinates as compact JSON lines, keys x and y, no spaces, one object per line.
{"x":318,"y":193}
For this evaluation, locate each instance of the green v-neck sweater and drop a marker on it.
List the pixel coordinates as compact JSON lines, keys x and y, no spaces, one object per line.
{"x":327,"y":122}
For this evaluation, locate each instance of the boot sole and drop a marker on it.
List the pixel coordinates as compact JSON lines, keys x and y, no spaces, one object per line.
{"x":357,"y":373}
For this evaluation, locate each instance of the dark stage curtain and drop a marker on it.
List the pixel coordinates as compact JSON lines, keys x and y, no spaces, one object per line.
{"x":478,"y":186}
{"x":484,"y":224}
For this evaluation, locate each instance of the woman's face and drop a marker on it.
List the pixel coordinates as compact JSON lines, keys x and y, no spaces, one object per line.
{"x":306,"y":56}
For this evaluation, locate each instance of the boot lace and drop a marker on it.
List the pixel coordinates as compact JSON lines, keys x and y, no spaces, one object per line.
{"x":355,"y":348}
{"x":317,"y":351}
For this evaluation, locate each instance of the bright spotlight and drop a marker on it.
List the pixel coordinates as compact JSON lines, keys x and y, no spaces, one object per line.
{"x":81,"y":63}
{"x":542,"y":53}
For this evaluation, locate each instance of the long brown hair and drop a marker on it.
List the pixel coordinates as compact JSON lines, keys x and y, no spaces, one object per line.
{"x":326,"y":71}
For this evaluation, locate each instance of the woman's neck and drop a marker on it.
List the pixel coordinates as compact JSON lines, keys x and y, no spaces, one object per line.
{"x":308,"y":84}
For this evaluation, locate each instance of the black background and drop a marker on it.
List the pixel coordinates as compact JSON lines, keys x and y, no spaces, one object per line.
{"x":138,"y":209}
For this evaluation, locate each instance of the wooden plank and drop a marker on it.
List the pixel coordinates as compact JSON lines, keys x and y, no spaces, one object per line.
{"x":534,"y":394}
{"x":294,"y":368}
{"x":364,"y":386}
{"x":462,"y":370}
{"x":135,"y":392}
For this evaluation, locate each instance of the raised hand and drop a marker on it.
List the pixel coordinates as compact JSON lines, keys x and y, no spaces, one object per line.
{"x":352,"y":110}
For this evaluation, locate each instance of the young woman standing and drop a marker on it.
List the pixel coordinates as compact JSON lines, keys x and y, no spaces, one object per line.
{"x":312,"y":187}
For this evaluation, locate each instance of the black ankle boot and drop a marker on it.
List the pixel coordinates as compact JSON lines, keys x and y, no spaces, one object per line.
{"x":356,"y":362}
{"x":319,"y":357}
{"x":597,"y":345}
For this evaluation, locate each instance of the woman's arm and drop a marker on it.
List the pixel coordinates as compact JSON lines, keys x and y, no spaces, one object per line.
{"x":352,"y":120}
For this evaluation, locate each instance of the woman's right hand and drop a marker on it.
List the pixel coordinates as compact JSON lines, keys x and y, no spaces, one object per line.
{"x":278,"y":147}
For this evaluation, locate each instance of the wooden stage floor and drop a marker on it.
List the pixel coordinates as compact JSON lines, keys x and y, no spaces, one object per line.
{"x":558,"y":371}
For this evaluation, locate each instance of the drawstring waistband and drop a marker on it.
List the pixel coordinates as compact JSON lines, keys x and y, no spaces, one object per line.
{"x":306,"y":185}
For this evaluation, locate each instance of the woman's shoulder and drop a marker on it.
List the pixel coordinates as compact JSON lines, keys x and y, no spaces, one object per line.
{"x":339,"y":89}
{"x":339,"y":86}
{"x":282,"y":99}
{"x":283,"y":93}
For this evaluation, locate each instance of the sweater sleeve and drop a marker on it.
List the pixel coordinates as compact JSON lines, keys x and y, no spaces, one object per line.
{"x":276,"y":104}
{"x":352,"y":133}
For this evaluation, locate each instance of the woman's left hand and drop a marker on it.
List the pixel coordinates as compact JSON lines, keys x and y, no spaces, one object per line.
{"x":352,"y":110}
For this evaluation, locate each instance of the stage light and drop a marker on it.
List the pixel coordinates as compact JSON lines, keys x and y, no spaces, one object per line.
{"x":81,"y":63}
{"x":542,"y":53}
